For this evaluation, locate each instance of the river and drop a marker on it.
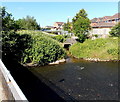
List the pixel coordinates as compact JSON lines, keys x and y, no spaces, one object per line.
{"x":82,"y":80}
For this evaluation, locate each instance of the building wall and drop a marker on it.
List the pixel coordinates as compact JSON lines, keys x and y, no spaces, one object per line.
{"x":55,"y":25}
{"x":101,"y":32}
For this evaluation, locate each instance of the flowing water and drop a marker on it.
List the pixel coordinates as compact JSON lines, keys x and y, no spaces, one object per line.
{"x":82,"y":80}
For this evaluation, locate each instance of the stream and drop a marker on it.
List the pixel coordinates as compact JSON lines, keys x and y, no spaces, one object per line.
{"x":81,"y":80}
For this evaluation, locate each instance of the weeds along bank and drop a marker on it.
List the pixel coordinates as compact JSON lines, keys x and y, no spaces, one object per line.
{"x":102,"y":49}
{"x":42,"y":50}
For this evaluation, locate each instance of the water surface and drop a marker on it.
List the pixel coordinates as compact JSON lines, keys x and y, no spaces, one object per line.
{"x":83,"y":80}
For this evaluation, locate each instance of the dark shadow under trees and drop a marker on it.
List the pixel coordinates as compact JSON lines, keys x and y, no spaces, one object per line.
{"x":32,"y":87}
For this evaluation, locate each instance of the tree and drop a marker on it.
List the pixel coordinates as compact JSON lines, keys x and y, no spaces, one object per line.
{"x":115,"y":31}
{"x":28,"y":23}
{"x":67,"y":26}
{"x":13,"y":44}
{"x":8,"y":22}
{"x":81,"y":25}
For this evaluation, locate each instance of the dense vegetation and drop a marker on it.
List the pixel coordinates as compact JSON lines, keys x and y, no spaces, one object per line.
{"x":115,"y":31}
{"x":81,"y":25}
{"x":44,"y":49}
{"x":27,"y":46}
{"x":68,"y":26}
{"x":28,"y":23}
{"x":104,"y":49}
{"x":11,"y":41}
{"x":60,"y":38}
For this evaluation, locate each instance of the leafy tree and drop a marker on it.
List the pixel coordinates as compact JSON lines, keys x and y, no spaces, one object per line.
{"x":28,"y":23}
{"x":33,"y":47}
{"x":67,"y":26}
{"x":81,"y":25}
{"x":13,"y":45}
{"x":115,"y":31}
{"x":8,"y":22}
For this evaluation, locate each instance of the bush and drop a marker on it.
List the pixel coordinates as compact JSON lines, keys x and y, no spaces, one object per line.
{"x":59,"y":38}
{"x":115,"y":31}
{"x":95,"y":35}
{"x":112,"y":51}
{"x":44,"y":49}
{"x":14,"y":45}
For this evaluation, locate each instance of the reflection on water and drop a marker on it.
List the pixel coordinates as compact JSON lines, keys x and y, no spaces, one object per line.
{"x":83,"y":80}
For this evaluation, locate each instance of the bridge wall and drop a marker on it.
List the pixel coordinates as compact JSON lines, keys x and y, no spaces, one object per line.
{"x":10,"y":87}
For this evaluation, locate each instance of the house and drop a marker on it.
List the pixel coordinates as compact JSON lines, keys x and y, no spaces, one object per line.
{"x":101,"y":26}
{"x":49,"y":27}
{"x":58,"y":25}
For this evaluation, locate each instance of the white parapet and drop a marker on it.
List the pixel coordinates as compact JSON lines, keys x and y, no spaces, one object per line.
{"x":12,"y":85}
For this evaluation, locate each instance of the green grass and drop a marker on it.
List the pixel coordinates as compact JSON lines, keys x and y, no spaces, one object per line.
{"x":104,"y":49}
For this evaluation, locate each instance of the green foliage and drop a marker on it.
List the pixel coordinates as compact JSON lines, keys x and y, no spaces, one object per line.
{"x":44,"y":49}
{"x":59,"y":38}
{"x":113,"y":51}
{"x":81,"y":25}
{"x":11,"y":42}
{"x":8,"y":22}
{"x":96,"y":35}
{"x":99,"y":48}
{"x":115,"y":31}
{"x":28,"y":46}
{"x":67,"y":26}
{"x":14,"y":45}
{"x":28,"y":23}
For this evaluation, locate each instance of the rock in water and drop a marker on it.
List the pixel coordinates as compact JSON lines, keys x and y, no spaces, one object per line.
{"x":62,"y":80}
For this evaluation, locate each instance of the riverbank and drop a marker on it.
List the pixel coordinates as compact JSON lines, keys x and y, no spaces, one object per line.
{"x":96,"y":50}
{"x":96,"y":59}
{"x":52,"y":63}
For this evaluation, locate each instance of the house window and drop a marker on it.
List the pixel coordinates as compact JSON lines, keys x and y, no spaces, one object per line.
{"x":110,"y":21}
{"x":116,"y":20}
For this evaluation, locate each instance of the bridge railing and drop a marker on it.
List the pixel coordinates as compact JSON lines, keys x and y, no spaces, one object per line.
{"x":13,"y":90}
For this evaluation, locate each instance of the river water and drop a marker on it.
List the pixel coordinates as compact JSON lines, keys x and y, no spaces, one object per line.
{"x":82,"y":80}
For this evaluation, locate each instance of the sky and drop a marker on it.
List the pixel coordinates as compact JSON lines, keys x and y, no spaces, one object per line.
{"x":46,"y":13}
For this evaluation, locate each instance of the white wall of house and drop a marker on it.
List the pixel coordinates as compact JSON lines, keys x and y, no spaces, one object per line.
{"x":101,"y":32}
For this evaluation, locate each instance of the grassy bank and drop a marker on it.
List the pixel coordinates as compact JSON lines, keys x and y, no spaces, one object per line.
{"x":104,"y":49}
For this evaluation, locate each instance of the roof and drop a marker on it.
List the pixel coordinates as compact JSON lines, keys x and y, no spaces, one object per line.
{"x":70,"y":40}
{"x":105,"y":18}
{"x":117,"y":15}
{"x":48,"y":26}
{"x":59,"y":22}
{"x":93,"y":20}
{"x":103,"y":24}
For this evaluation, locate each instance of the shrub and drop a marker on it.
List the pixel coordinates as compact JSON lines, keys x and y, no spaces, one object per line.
{"x":59,"y":38}
{"x":115,"y":31}
{"x":96,"y":35}
{"x":112,"y":51}
{"x":44,"y":49}
{"x":14,"y":45}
